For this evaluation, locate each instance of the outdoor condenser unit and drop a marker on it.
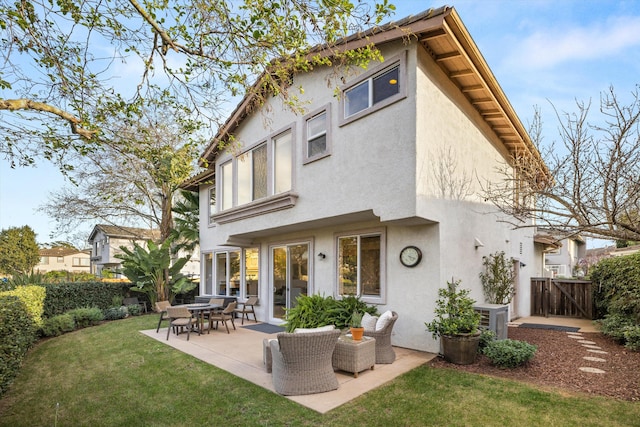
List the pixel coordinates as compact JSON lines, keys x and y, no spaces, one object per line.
{"x":494,"y":317}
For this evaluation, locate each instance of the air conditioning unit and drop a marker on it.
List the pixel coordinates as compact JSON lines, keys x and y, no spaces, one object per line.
{"x":494,"y":317}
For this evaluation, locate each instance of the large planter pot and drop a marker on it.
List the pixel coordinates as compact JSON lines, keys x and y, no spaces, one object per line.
{"x":460,"y":349}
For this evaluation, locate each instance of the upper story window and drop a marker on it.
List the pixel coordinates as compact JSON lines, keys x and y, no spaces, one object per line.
{"x":262,"y":171}
{"x":212,"y":203}
{"x":374,"y":90}
{"x":60,"y":259}
{"x":44,"y":260}
{"x":317,"y":136}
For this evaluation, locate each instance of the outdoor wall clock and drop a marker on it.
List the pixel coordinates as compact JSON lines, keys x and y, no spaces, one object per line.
{"x":410,"y":256}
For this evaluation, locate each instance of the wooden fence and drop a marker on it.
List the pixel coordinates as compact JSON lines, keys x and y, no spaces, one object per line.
{"x":561,"y":297}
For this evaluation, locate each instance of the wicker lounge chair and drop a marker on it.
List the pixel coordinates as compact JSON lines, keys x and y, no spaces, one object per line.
{"x":301,"y":363}
{"x":384,"y":351}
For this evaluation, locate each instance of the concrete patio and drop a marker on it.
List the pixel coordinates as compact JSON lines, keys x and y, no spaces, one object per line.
{"x":240,"y":353}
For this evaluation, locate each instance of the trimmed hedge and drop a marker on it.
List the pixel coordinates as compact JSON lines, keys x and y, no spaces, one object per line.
{"x":18,"y":332}
{"x":62,"y":297}
{"x":33,"y":298}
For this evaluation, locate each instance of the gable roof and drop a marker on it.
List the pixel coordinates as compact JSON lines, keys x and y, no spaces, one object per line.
{"x":125,"y":232}
{"x":447,"y":40}
{"x":60,"y":251}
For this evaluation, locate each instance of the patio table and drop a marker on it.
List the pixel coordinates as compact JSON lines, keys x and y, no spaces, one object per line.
{"x":199,"y":310}
{"x":354,"y":356}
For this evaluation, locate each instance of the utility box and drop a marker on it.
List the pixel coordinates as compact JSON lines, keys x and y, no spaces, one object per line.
{"x":494,"y":317}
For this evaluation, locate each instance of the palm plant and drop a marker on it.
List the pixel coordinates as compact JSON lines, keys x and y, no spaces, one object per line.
{"x":152,"y":272}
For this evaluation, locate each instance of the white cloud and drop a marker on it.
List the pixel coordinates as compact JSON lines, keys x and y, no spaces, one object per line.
{"x":547,"y":48}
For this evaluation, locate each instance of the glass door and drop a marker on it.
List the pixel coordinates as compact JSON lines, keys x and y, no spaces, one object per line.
{"x":290,"y":276}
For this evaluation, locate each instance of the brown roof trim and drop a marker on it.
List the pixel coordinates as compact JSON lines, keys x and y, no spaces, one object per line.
{"x":193,"y":183}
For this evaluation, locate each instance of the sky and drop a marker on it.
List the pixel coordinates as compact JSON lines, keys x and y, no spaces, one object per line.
{"x":544,"y":53}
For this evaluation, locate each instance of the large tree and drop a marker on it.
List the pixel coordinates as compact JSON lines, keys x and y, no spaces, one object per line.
{"x":132,"y":177}
{"x":68,"y":66}
{"x":19,"y":252}
{"x":591,"y":184}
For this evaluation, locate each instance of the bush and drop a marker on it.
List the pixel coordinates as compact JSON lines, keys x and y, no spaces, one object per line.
{"x":134,"y":309}
{"x":632,"y":337}
{"x":85,"y":317}
{"x":115,"y":313}
{"x":58,"y":325}
{"x":509,"y":353}
{"x":312,"y":311}
{"x":17,"y":334}
{"x":616,"y":286}
{"x":614,"y":325}
{"x":62,"y":297}
{"x":33,"y":297}
{"x":486,"y":336}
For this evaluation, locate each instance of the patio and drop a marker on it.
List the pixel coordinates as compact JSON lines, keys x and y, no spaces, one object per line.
{"x":240,"y":353}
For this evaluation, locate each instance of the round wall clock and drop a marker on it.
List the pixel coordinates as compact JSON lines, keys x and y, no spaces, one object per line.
{"x":410,"y":256}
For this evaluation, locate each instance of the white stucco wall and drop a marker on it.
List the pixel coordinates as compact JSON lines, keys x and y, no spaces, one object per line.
{"x":380,"y":175}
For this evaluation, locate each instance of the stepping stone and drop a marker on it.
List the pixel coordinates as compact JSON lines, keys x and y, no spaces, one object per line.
{"x":592,"y":370}
{"x":595,"y":347}
{"x":594,"y":359}
{"x":586,"y":342}
{"x":576,"y":337}
{"x":597,"y":351}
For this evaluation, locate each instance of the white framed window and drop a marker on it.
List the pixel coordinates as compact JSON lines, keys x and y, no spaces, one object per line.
{"x":231,"y":273}
{"x":317,"y":136}
{"x":361,"y":267}
{"x":227,"y":184}
{"x":212,"y":203}
{"x":374,"y":90}
{"x":264,"y":170}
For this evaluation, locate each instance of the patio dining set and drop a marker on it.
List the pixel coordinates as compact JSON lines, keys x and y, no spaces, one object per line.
{"x":193,"y":316}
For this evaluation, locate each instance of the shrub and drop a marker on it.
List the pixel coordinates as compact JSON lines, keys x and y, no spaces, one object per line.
{"x":454,"y":313}
{"x":62,"y":297}
{"x":486,"y":336}
{"x":86,"y":316}
{"x":509,"y":353}
{"x":497,"y":278}
{"x":58,"y":325}
{"x":33,"y":298}
{"x":17,"y":334}
{"x":617,"y":286}
{"x":614,"y":325}
{"x":312,"y":311}
{"x":632,"y":337}
{"x":115,"y":313}
{"x":134,"y":309}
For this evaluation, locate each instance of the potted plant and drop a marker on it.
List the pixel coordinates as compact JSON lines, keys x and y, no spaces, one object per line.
{"x":456,"y":324}
{"x":355,"y":326}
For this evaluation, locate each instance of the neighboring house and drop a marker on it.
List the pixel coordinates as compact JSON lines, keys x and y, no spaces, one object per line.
{"x":337,"y":201}
{"x":64,"y":259}
{"x":106,"y":240}
{"x":564,"y":257}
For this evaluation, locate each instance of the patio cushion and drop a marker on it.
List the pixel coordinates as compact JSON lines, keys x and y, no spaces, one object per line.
{"x":310,"y":330}
{"x":384,"y":320}
{"x":369,"y":322}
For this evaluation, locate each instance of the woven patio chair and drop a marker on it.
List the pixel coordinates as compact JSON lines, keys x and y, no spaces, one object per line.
{"x":384,"y":351}
{"x":161,"y":308}
{"x":301,"y":363}
{"x":223,"y":316}
{"x":247,"y":308}
{"x":180,"y":317}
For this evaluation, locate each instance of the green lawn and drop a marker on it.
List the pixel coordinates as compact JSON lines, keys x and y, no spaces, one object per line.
{"x":110,"y":375}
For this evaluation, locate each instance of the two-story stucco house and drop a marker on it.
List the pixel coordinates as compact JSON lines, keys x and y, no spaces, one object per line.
{"x":563,"y":258}
{"x":106,"y":240}
{"x":375,"y":192}
{"x":64,"y":259}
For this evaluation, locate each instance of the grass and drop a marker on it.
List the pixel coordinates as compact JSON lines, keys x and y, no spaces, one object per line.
{"x":110,"y":375}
